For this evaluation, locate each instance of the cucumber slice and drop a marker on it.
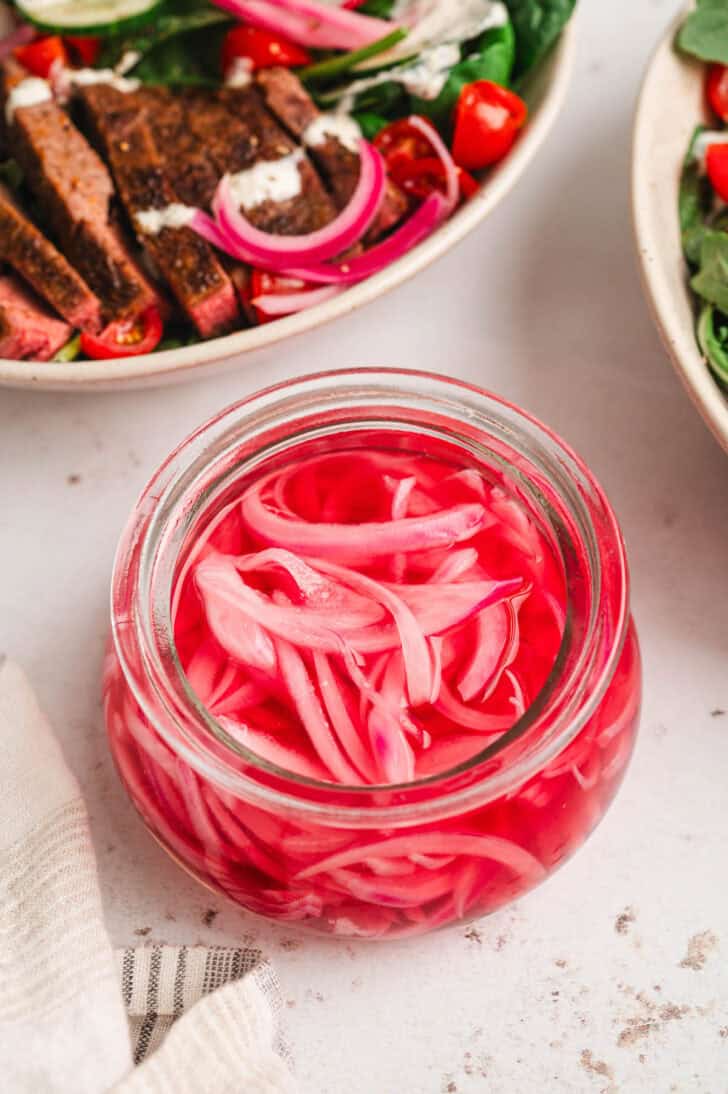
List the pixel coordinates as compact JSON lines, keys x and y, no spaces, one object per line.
{"x":92,"y":17}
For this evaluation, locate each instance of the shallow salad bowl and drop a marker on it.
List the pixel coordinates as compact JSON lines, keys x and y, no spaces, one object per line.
{"x":545,"y":94}
{"x":671,"y":104}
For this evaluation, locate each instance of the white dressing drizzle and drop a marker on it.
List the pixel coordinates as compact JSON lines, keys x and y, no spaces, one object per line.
{"x":438,"y":29}
{"x":425,"y":78}
{"x":128,"y":61}
{"x":30,"y":92}
{"x":240,"y":73}
{"x":87,"y":77}
{"x":153,"y":221}
{"x":337,"y":127}
{"x":269,"y":180}
{"x":436,"y":21}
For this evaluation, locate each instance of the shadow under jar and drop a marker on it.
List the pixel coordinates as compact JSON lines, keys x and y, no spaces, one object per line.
{"x":372,"y":666}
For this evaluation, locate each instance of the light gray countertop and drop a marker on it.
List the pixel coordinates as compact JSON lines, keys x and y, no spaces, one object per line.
{"x":612,"y":976}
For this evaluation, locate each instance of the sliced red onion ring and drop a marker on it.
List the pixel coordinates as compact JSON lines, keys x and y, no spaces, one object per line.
{"x":341,"y":721}
{"x":339,"y":17}
{"x":308,"y":707}
{"x":435,"y":843}
{"x":292,"y":303}
{"x":316,"y":25}
{"x":433,"y":211}
{"x":415,"y":651}
{"x":428,"y":130}
{"x":361,"y":542}
{"x":250,"y":244}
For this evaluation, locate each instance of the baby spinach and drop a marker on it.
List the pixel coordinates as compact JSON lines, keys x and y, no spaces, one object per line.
{"x":381,"y":8}
{"x":713,"y":340}
{"x":711,"y":280}
{"x":695,"y":204}
{"x":371,"y":124}
{"x":704,"y":34}
{"x":181,"y":46}
{"x":538,"y":24}
{"x":490,"y":57}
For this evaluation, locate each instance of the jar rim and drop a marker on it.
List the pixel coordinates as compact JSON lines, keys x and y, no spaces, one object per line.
{"x":136,"y":569}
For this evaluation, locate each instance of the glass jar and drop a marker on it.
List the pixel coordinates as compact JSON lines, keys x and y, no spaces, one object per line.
{"x":374,"y":861}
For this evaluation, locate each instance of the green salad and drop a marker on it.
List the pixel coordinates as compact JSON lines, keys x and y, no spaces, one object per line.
{"x":283,"y":134}
{"x":703,"y":205}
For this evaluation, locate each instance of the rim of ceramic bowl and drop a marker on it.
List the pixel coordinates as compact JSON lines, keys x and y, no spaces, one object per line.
{"x":157,"y":368}
{"x":670,"y":308}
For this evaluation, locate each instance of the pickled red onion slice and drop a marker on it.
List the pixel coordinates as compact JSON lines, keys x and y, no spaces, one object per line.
{"x":354,"y":617}
{"x":358,"y":544}
{"x":434,"y":843}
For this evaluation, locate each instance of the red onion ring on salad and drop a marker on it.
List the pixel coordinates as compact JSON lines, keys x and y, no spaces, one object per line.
{"x":238,"y":237}
{"x":281,"y":305}
{"x":430,"y":215}
{"x":312,"y":24}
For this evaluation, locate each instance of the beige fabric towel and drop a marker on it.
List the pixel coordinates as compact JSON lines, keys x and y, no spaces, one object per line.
{"x":76,"y":1017}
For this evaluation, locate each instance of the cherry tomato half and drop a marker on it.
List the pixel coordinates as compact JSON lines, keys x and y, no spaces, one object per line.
{"x":40,"y":56}
{"x":412,"y":164}
{"x":717,"y":88}
{"x":262,"y":49}
{"x":716,"y":163}
{"x":487,"y":120}
{"x":402,"y":140}
{"x":421,"y":177}
{"x":260,"y":283}
{"x":85,"y":50}
{"x":125,"y":338}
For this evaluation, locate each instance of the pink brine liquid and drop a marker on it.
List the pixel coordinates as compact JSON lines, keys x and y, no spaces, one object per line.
{"x":370,"y":617}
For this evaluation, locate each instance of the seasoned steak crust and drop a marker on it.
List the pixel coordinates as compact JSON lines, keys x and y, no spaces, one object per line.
{"x":187,"y":162}
{"x":287,"y":99}
{"x":186,"y":261}
{"x":38,"y":262}
{"x":237,"y":132}
{"x":75,"y":193}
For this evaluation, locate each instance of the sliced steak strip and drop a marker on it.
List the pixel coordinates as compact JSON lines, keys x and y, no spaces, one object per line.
{"x":186,"y":161}
{"x":38,"y":262}
{"x":28,"y":330}
{"x":186,"y":262}
{"x":287,"y":99}
{"x":75,"y":192}
{"x":238,"y":133}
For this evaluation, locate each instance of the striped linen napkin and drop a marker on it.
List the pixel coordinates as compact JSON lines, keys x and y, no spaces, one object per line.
{"x":75,"y":1016}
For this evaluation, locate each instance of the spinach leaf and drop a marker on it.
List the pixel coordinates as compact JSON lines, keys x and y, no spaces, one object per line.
{"x":381,"y":8}
{"x":191,"y":58}
{"x":179,"y":47}
{"x":713,"y":341}
{"x":389,"y":100}
{"x":711,"y":281}
{"x":695,"y":203}
{"x":371,"y":124}
{"x":490,"y":57}
{"x":704,"y":34}
{"x":538,"y":24}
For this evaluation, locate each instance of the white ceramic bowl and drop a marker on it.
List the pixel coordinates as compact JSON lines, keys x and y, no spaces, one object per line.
{"x":545,"y":95}
{"x":671,"y":104}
